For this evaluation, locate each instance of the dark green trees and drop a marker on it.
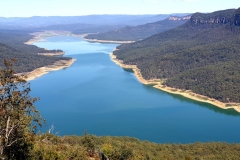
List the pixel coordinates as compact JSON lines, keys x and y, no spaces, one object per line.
{"x":19,"y":118}
{"x":202,"y":55}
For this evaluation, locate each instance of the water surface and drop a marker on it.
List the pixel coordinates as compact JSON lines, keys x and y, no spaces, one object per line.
{"x":96,"y":95}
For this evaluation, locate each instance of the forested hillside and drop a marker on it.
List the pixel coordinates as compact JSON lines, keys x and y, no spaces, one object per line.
{"x":12,"y":46}
{"x":79,"y":28}
{"x":202,"y":55}
{"x":134,"y":33}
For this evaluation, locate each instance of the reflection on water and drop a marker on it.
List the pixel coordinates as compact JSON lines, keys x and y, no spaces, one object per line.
{"x":216,"y":109}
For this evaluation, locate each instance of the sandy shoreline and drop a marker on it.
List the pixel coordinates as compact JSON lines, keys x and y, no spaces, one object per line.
{"x":52,"y":54}
{"x":46,"y":69}
{"x":39,"y":36}
{"x":185,"y":93}
{"x":99,"y":40}
{"x":107,"y":41}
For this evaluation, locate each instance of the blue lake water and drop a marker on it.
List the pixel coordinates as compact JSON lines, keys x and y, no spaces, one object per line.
{"x":96,"y":95}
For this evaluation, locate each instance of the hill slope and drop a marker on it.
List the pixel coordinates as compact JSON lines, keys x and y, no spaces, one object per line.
{"x":203,"y":55}
{"x":134,"y":33}
{"x":12,"y":46}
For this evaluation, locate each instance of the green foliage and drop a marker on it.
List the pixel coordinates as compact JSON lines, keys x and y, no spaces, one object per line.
{"x":49,"y":146}
{"x":127,"y":148}
{"x":88,"y":143}
{"x":19,"y":118}
{"x":202,"y":55}
{"x":107,"y":149}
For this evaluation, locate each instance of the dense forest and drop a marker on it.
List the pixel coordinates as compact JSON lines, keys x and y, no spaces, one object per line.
{"x":202,"y":55}
{"x":134,"y":33}
{"x":12,"y":46}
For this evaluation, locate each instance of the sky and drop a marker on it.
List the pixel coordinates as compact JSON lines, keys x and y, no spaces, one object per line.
{"x":29,"y":8}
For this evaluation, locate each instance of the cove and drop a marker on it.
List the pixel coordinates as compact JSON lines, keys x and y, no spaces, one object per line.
{"x":96,"y":95}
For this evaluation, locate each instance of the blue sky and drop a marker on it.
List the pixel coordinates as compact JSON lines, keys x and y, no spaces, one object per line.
{"x":28,"y":8}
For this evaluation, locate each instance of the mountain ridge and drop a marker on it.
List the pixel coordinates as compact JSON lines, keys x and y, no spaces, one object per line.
{"x":135,"y":33}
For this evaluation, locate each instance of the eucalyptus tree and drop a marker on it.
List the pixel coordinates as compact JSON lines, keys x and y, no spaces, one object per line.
{"x":19,"y":118}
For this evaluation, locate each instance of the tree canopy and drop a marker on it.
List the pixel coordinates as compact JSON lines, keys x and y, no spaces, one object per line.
{"x":19,"y":118}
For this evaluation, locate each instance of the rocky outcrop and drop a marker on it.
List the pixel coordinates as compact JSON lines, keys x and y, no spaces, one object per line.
{"x":215,"y":20}
{"x":237,"y":17}
{"x":219,"y":17}
{"x":175,"y":18}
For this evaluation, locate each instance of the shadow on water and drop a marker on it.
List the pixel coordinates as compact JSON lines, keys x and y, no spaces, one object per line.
{"x":230,"y":112}
{"x":128,"y":70}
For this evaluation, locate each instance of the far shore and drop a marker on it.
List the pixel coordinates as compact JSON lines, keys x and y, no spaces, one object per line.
{"x":99,"y":40}
{"x":185,"y":93}
{"x":107,"y":41}
{"x":39,"y":36}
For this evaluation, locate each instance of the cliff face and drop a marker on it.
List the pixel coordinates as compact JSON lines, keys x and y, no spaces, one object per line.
{"x":237,"y":17}
{"x":215,"y":20}
{"x":174,"y":18}
{"x":219,"y":17}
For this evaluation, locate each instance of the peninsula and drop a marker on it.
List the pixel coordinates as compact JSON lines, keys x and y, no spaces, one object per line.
{"x":60,"y":64}
{"x":44,"y":70}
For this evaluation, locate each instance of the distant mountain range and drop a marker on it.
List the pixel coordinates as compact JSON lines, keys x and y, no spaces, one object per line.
{"x":56,"y":22}
{"x":202,"y":55}
{"x":134,"y":33}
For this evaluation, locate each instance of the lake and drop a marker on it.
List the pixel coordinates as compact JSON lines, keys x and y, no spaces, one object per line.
{"x":98,"y":96}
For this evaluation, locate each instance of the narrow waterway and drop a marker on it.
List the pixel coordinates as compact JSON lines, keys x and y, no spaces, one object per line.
{"x":96,"y":95}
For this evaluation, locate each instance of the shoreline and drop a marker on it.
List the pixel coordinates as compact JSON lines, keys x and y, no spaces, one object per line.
{"x":157,"y":83}
{"x":101,"y":41}
{"x":107,"y":41}
{"x":52,"y":54}
{"x":58,"y":65}
{"x":40,"y":36}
